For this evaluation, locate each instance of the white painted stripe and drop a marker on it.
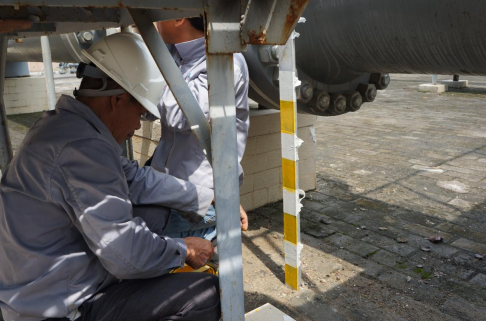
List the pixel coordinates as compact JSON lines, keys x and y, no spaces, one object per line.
{"x":292,"y":254}
{"x":290,"y":200}
{"x":287,"y":85}
{"x":289,"y":150}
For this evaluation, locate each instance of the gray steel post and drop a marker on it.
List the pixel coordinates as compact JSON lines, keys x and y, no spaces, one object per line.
{"x":434,"y":79}
{"x":226,"y":184}
{"x":178,"y":86}
{"x":6,"y":153}
{"x":46,"y":57}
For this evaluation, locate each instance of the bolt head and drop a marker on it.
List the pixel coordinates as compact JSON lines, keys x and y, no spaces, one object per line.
{"x":274,"y":52}
{"x":307,"y":91}
{"x":85,"y":37}
{"x":338,"y":104}
{"x":323,"y":102}
{"x":371,"y":93}
{"x":384,"y":81}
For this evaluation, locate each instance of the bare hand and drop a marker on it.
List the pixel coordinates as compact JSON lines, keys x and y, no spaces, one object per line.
{"x":243,"y":219}
{"x":199,"y":251}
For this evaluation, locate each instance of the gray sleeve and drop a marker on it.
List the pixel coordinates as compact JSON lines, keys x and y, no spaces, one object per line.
{"x":173,"y":113}
{"x":242,"y":109}
{"x":98,"y":194}
{"x":148,"y":186}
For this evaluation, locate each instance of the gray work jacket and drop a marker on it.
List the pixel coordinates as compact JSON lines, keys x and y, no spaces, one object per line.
{"x":178,"y":152}
{"x":66,"y":223}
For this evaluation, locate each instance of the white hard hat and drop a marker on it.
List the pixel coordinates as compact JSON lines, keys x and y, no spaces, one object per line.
{"x":125,"y":58}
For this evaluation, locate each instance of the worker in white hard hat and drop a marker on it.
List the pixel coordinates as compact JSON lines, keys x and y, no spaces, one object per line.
{"x":81,"y":228}
{"x":178,"y":151}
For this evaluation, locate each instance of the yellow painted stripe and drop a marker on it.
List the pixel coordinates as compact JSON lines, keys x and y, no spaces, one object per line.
{"x":288,"y":174}
{"x":292,"y":277}
{"x":290,"y":228}
{"x":287,"y":117}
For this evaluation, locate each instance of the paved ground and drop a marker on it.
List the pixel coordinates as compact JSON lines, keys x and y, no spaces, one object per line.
{"x":407,"y":167}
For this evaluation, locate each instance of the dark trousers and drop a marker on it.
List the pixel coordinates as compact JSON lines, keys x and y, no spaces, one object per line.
{"x":181,"y":296}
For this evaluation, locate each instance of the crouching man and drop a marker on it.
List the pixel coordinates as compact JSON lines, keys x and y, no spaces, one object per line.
{"x":72,"y":244}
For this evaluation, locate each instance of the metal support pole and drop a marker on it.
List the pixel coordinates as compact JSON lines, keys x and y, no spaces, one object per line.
{"x":226,"y":184}
{"x":6,"y":153}
{"x":178,"y":86}
{"x":290,"y":169}
{"x":46,"y":57}
{"x":434,"y":79}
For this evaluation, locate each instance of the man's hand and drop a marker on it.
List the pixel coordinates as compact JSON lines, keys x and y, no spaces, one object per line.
{"x":199,"y":251}
{"x":244,"y":219}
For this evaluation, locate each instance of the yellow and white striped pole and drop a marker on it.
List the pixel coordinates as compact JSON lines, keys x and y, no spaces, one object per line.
{"x":290,"y":174}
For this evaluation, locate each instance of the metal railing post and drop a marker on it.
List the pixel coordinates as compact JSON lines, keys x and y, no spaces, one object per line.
{"x":6,"y":153}
{"x":222,"y":109}
{"x":49,"y":74}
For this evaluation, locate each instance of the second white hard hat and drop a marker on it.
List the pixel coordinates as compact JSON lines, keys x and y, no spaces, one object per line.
{"x":125,"y":58}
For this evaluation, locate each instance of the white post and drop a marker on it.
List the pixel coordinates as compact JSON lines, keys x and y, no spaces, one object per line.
{"x":434,"y":79}
{"x":222,"y":110}
{"x":49,"y":74}
{"x":290,"y":170}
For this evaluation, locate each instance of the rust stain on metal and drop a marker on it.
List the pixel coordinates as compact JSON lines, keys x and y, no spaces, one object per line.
{"x":259,"y":38}
{"x":10,"y":25}
{"x":295,"y":11}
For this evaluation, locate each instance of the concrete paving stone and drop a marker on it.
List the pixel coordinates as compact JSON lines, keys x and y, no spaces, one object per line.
{"x":427,"y":231}
{"x":466,"y":290}
{"x":351,"y":230}
{"x":386,"y":258}
{"x":313,"y":206}
{"x":364,"y":249}
{"x":315,"y":308}
{"x":339,"y":240}
{"x":463,"y":310}
{"x":389,"y":244}
{"x":368,"y":267}
{"x":316,"y":230}
{"x":462,"y":231}
{"x":447,"y":266}
{"x":470,"y":246}
{"x":416,"y":289}
{"x":480,"y":280}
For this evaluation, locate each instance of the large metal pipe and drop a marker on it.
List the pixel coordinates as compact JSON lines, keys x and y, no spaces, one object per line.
{"x":346,"y":48}
{"x":345,"y":37}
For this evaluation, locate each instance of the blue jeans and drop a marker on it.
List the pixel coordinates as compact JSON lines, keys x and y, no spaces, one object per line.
{"x":178,"y":227}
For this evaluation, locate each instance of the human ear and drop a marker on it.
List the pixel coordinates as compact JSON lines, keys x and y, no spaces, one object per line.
{"x":179,"y":22}
{"x":116,"y":102}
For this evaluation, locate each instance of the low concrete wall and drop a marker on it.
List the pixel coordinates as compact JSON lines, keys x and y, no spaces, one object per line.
{"x":25,"y":95}
{"x":262,"y":162}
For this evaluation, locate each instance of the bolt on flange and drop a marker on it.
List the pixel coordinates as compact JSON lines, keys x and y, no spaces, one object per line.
{"x":353,"y":101}
{"x":368,"y":92}
{"x":381,"y":81}
{"x":338,"y":104}
{"x":320,"y":100}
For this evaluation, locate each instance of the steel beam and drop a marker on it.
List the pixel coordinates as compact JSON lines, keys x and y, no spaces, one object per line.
{"x":6,"y":153}
{"x":178,"y":86}
{"x":290,"y":167}
{"x":142,"y":4}
{"x":48,"y":73}
{"x":226,"y":184}
{"x":224,"y":29}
